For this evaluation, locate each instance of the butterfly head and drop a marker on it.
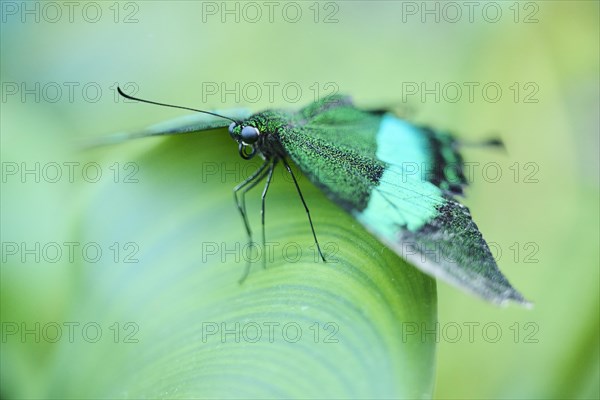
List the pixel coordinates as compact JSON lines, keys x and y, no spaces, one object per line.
{"x":247,"y":137}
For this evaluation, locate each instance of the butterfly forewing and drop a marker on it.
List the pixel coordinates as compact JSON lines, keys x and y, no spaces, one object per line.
{"x":397,"y":179}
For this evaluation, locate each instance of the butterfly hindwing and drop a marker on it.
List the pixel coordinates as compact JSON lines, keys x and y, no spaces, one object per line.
{"x":397,"y":179}
{"x":445,"y":161}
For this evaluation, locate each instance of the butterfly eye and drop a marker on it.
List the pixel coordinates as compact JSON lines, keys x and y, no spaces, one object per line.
{"x":250,"y":134}
{"x":231,"y":127}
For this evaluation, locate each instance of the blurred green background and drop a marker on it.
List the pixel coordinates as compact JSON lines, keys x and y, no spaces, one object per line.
{"x":60,"y":65}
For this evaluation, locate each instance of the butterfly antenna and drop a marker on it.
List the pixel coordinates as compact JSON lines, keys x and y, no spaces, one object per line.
{"x":171,"y":105}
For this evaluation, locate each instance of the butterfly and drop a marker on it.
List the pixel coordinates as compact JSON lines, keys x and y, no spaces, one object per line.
{"x":365,"y":162}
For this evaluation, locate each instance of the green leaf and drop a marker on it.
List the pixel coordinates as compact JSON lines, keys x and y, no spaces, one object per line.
{"x":176,"y":323}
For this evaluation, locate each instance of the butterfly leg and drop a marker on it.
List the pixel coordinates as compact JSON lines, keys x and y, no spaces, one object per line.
{"x":262,"y":210}
{"x":242,"y":205}
{"x":287,"y":166}
{"x":252,"y":185}
{"x":245,"y":186}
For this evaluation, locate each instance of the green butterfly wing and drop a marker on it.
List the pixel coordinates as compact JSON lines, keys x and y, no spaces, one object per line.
{"x":191,"y":123}
{"x":365,"y":162}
